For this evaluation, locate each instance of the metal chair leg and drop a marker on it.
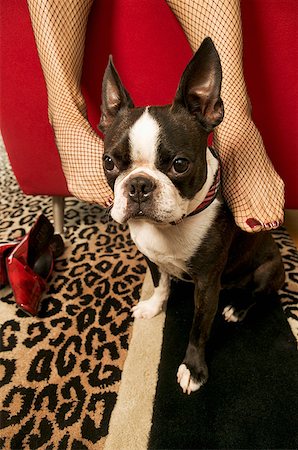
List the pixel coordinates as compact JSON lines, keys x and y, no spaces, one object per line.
{"x":58,"y":213}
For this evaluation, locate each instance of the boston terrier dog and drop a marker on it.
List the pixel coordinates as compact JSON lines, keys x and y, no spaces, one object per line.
{"x":166,"y":184}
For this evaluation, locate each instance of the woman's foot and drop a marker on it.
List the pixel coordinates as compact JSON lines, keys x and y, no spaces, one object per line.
{"x":251,"y":187}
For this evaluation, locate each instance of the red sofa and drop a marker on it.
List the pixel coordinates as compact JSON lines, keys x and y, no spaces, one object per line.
{"x":150,"y":52}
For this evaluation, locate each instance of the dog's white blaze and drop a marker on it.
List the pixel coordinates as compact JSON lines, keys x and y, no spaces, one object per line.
{"x":144,"y":139}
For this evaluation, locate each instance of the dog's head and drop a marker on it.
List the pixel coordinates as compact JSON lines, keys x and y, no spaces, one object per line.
{"x":155,"y":157}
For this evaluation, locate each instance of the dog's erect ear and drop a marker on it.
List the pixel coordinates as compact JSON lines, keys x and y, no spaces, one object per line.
{"x":114,"y":96}
{"x":199,"y":88}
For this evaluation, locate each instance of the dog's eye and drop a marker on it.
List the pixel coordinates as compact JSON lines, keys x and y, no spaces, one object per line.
{"x":180,"y":165}
{"x":108,"y":163}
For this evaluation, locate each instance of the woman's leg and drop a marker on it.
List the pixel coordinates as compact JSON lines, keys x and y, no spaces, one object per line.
{"x":252,"y":188}
{"x":59,"y":28}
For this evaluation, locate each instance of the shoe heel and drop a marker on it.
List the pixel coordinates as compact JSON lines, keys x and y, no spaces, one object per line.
{"x":39,"y":238}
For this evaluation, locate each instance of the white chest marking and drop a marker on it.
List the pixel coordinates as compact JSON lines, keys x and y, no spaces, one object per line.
{"x":170,"y":247}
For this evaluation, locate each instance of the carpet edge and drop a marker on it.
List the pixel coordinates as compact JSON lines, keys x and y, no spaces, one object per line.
{"x":130,"y":422}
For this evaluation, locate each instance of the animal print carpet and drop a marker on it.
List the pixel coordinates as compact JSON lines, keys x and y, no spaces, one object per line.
{"x":60,"y":372}
{"x":81,"y":375}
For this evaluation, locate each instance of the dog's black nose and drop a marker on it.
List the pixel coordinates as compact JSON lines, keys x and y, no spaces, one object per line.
{"x":140,"y":188}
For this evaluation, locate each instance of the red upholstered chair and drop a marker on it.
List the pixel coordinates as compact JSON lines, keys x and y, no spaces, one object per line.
{"x":150,"y":52}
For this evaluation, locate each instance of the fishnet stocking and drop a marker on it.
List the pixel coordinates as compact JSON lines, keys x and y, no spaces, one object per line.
{"x":59,"y":28}
{"x":251,"y":186}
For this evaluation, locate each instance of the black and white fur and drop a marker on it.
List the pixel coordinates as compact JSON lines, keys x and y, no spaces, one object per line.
{"x":157,"y":161}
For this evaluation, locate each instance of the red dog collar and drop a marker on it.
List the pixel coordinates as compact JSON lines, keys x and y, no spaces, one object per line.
{"x":212,"y":193}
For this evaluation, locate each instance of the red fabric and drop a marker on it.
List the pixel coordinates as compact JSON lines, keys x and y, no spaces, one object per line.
{"x":149,"y":49}
{"x":270,"y":65}
{"x":24,"y":122}
{"x":150,"y":52}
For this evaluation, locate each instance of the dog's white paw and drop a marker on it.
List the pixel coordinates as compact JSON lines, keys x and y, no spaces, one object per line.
{"x":146,"y":309}
{"x":185,"y":380}
{"x":232,"y":315}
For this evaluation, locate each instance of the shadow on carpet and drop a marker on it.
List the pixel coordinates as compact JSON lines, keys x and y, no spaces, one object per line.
{"x":250,"y":399}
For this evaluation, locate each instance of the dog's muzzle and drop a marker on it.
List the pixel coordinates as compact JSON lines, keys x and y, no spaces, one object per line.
{"x":140,"y":188}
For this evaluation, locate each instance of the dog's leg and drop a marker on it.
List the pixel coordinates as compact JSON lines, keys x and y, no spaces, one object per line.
{"x":193,"y":371}
{"x":237,"y":309}
{"x":267,"y":279}
{"x":147,"y":309}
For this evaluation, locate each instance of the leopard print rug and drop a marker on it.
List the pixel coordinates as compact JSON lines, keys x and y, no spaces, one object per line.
{"x":60,"y":372}
{"x":288,"y":295}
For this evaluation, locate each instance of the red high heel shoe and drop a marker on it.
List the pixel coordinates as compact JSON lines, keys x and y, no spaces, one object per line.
{"x":31,"y":263}
{"x":5,"y":249}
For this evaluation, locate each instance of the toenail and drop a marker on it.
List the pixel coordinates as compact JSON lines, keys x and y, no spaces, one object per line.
{"x":272,"y":225}
{"x":268,"y":225}
{"x":109,"y":202}
{"x":252,"y":223}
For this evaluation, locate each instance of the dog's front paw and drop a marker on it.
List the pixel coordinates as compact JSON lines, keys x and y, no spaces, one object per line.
{"x":146,"y":309}
{"x":188,"y":382}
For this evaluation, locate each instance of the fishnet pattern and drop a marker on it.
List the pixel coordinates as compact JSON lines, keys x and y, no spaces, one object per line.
{"x":59,"y":28}
{"x":251,"y":186}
